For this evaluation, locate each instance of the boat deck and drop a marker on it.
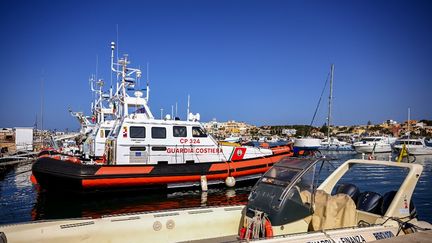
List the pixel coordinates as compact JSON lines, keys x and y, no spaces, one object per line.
{"x":229,"y":238}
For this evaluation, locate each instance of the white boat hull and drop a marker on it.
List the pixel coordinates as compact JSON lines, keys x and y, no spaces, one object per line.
{"x":215,"y":224}
{"x":379,"y":148}
{"x":416,"y":150}
{"x":306,"y":144}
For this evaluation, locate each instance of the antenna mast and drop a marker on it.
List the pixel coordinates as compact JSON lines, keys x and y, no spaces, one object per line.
{"x":330,"y":103}
{"x":42,"y":99}
{"x":148,"y":86}
{"x":188,"y":108}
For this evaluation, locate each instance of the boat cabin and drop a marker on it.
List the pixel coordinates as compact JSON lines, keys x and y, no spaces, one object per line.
{"x":142,"y":141}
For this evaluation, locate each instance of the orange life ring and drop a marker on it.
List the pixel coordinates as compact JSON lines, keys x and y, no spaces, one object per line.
{"x":268,"y":229}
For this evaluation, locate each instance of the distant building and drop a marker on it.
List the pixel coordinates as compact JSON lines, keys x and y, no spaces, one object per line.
{"x":24,"y":138}
{"x":7,"y":141}
{"x":225,"y":129}
{"x":289,"y":132}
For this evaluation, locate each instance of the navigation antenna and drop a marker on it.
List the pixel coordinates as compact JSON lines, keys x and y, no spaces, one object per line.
{"x":117,"y":50}
{"x":147,"y":85}
{"x":188,"y":108}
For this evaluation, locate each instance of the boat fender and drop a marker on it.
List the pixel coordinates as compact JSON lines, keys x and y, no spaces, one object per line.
{"x":371,"y":157}
{"x":33,"y":179}
{"x":204,"y":187}
{"x":242,"y":233}
{"x":230,"y":181}
{"x":268,"y":229}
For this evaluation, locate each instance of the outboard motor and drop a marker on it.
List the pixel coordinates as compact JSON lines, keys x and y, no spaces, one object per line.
{"x":349,"y":189}
{"x":370,"y":202}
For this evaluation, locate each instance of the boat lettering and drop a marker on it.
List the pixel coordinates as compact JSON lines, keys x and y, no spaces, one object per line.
{"x":352,"y":239}
{"x":190,"y":141}
{"x":320,"y":241}
{"x":194,"y":150}
{"x":383,"y":235}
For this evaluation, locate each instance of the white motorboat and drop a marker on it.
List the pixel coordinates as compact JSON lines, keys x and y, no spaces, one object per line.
{"x":413,"y":146}
{"x":306,"y":144}
{"x":334,"y":144}
{"x":379,"y":144}
{"x":285,"y":205}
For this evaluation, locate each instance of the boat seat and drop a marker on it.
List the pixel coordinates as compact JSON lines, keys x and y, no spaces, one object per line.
{"x":349,"y":189}
{"x":370,"y":202}
{"x":331,"y":212}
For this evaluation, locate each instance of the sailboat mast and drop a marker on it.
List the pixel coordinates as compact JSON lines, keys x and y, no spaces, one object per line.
{"x":330,"y":104}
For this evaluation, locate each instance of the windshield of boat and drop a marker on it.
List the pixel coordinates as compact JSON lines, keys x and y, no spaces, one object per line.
{"x":410,"y":142}
{"x":285,"y":191}
{"x":370,"y":139}
{"x":304,"y":176}
{"x":284,"y":171}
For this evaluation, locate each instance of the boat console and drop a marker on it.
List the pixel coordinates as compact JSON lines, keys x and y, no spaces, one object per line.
{"x":284,"y":191}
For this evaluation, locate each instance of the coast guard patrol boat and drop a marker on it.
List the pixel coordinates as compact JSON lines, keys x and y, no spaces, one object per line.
{"x":141,"y":151}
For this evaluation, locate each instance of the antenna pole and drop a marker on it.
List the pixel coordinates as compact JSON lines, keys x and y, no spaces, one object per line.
{"x":148,"y":86}
{"x":188,"y":108}
{"x":97,"y":63}
{"x":42,"y":99}
{"x":176,"y":109}
{"x":409,"y":118}
{"x":117,"y":40}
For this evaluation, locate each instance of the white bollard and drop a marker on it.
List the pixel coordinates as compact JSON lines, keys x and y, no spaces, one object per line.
{"x":204,"y":187}
{"x":230,"y":181}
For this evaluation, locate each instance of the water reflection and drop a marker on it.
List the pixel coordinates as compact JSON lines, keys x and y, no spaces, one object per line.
{"x":54,"y":206}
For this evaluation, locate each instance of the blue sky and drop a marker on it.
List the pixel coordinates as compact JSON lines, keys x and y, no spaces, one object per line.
{"x":262,"y":62}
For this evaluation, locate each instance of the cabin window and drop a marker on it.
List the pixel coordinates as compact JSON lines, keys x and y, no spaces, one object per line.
{"x":158,"y":148}
{"x":107,"y":132}
{"x":137,"y":132}
{"x":137,"y":148}
{"x":179,"y":131}
{"x":198,"y":132}
{"x":158,"y":132}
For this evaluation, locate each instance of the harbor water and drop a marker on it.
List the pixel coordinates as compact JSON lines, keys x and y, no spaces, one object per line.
{"x":20,"y":201}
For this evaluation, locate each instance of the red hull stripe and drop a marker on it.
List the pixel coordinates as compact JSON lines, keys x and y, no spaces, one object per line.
{"x":154,"y":180}
{"x":120,"y":170}
{"x":219,"y":166}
